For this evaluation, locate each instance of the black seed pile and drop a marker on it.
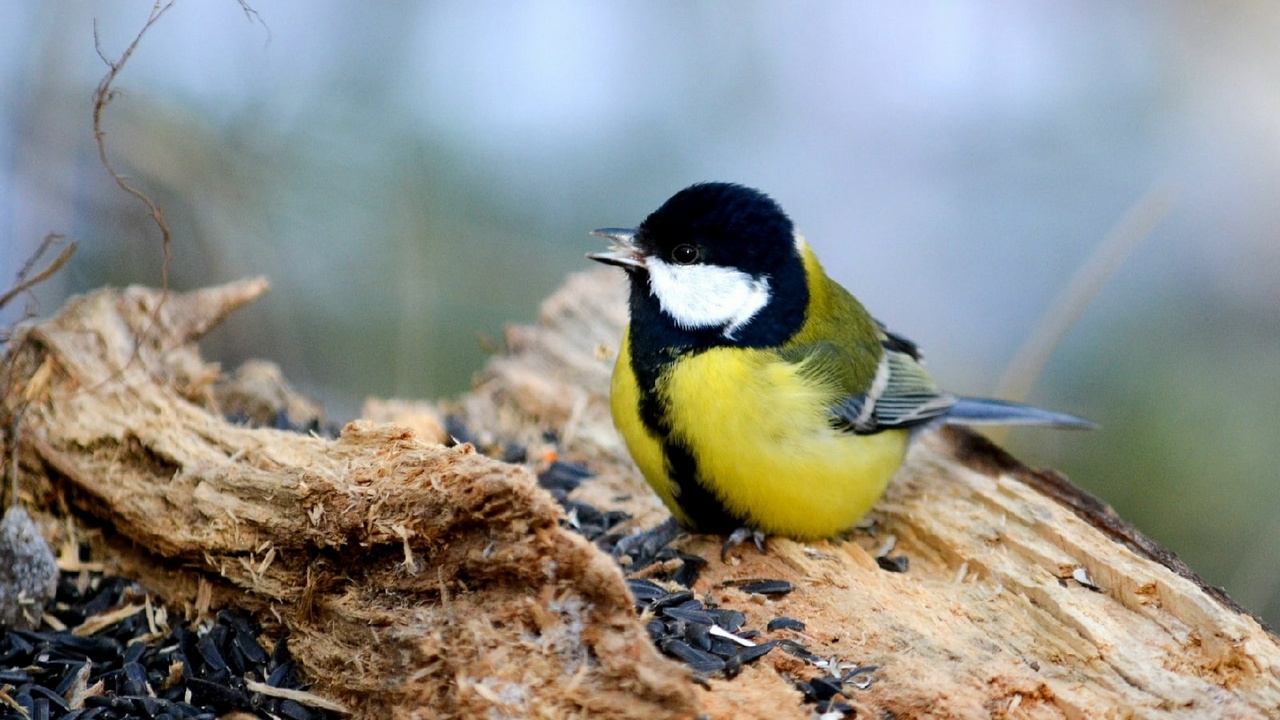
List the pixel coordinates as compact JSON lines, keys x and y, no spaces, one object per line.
{"x":682,"y":627}
{"x":126,"y":670}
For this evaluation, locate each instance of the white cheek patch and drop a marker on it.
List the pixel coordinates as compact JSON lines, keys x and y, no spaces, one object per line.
{"x":702,"y":296}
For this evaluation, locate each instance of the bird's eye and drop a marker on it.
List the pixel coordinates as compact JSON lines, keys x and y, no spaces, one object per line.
{"x":684,"y":254}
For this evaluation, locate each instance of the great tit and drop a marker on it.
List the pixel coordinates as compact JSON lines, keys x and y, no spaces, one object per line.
{"x":752,"y":390}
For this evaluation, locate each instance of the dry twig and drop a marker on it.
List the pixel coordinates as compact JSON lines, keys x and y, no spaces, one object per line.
{"x":102,"y":97}
{"x":25,"y":283}
{"x":1136,"y":226}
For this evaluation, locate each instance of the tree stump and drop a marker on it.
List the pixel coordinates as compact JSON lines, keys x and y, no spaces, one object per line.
{"x":417,"y":580}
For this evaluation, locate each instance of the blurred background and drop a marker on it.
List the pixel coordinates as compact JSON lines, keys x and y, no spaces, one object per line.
{"x":412,"y":176}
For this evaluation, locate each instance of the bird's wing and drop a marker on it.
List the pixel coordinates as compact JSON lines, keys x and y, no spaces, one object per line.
{"x":901,"y":394}
{"x":894,"y":341}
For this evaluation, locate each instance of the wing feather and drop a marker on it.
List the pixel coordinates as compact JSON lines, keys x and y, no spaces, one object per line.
{"x":901,"y":394}
{"x":908,"y":397}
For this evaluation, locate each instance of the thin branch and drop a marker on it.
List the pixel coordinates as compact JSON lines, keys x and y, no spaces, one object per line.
{"x":24,"y":283}
{"x":43,"y":248}
{"x":1135,"y":227}
{"x":102,"y":97}
{"x":254,"y":16}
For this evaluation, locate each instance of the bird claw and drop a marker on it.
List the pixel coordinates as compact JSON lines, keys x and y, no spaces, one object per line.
{"x":739,"y":536}
{"x":647,"y":543}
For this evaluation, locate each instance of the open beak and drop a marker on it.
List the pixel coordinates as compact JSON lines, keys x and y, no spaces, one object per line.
{"x":624,"y":253}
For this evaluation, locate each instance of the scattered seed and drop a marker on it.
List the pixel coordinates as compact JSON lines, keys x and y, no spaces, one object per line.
{"x":896,"y":563}
{"x":724,"y":648}
{"x":767,"y":587}
{"x":646,"y":592}
{"x":731,"y":620}
{"x":689,"y":614}
{"x":458,"y":432}
{"x":209,"y":651}
{"x":514,"y":453}
{"x":700,"y":660}
{"x":134,"y":681}
{"x":690,"y":569}
{"x":756,"y":652}
{"x":563,"y":476}
{"x":672,"y":600}
{"x":698,"y":635}
{"x":824,"y":688}
{"x":784,"y":623}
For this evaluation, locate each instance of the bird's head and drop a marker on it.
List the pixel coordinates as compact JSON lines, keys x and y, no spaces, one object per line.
{"x":715,"y":258}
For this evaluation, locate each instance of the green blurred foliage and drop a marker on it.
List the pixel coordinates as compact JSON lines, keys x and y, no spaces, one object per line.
{"x":412,"y":177}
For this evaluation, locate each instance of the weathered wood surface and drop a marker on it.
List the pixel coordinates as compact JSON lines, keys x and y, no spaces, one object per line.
{"x":422,"y":581}
{"x":989,"y":619}
{"x":415,"y":580}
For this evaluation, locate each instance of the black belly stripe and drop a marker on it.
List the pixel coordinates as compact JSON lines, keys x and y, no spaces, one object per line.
{"x":705,"y":511}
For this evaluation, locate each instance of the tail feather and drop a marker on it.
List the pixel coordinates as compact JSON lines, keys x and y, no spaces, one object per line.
{"x":985,"y":411}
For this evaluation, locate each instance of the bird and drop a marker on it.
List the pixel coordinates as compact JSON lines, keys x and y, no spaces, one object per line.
{"x":756,"y":395}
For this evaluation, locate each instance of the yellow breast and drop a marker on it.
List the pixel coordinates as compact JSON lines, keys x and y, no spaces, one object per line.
{"x":759,"y":434}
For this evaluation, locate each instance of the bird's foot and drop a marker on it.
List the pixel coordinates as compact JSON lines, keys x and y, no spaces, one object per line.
{"x":644,"y":545}
{"x":739,"y":536}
